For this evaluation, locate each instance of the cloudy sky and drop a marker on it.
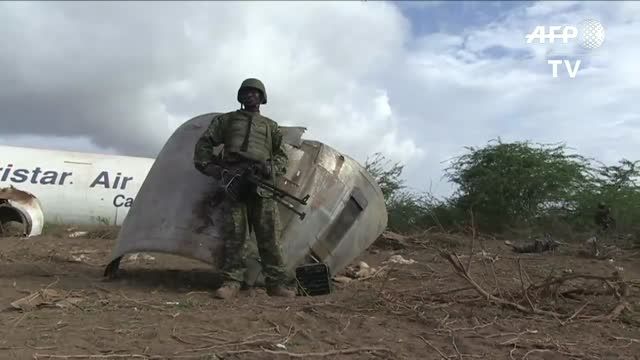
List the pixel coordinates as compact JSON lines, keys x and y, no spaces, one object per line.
{"x":417,"y":81}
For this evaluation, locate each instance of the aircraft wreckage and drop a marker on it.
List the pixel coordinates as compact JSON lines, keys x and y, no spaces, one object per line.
{"x":22,"y":208}
{"x":173,"y":213}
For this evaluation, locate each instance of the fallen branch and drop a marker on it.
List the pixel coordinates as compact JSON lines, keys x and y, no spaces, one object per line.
{"x":233,"y":352}
{"x":313,"y":354}
{"x":534,"y":351}
{"x":111,"y":356}
{"x":235,"y":343}
{"x":564,"y":278}
{"x":637,"y":341}
{"x":445,"y":357}
{"x":462,"y":272}
{"x":613,"y":314}
{"x":525,"y":292}
{"x":619,"y":292}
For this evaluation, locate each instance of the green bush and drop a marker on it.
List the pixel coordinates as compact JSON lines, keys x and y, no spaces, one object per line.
{"x":516,"y":187}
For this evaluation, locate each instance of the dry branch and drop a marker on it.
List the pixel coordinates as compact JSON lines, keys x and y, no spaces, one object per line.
{"x":434,"y":348}
{"x":110,"y":356}
{"x":460,"y":271}
{"x":232,"y":352}
{"x":315,"y":354}
{"x":619,"y":292}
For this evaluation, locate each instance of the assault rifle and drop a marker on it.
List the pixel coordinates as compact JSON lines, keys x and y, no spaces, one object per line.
{"x":236,"y":181}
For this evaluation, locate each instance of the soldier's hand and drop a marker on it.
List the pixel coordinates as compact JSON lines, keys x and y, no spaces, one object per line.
{"x":213,"y":170}
{"x":263,"y":169}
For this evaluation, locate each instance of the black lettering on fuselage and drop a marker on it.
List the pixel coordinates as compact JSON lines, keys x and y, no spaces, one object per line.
{"x":20,"y":175}
{"x":6,"y":172}
{"x":102,"y":179}
{"x":34,"y":175}
{"x":121,"y":200}
{"x":49,"y":177}
{"x":124,"y":182}
{"x":116,"y":181}
{"x":63,"y":176}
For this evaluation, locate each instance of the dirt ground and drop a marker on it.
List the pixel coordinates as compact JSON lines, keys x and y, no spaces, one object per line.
{"x":162,"y":308}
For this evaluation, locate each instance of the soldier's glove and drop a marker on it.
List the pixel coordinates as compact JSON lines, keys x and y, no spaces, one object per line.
{"x":263,"y":169}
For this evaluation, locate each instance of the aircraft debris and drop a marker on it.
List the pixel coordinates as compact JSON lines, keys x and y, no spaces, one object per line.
{"x":341,"y":279}
{"x":75,"y":187}
{"x":20,"y":207}
{"x":137,"y":256}
{"x":593,"y":247}
{"x":360,"y":271}
{"x":175,"y":210}
{"x":78,"y":234}
{"x":12,"y":229}
{"x":80,"y":258}
{"x":45,"y":297}
{"x":536,"y":246}
{"x":398,"y":259}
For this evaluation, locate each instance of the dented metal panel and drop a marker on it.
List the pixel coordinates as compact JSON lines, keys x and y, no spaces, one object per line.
{"x":172,"y":212}
{"x":21,"y":206}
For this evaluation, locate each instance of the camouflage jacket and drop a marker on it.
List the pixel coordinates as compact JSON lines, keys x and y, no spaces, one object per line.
{"x":215,"y":135}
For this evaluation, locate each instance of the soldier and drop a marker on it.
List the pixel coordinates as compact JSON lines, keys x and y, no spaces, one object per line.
{"x":605,"y":222}
{"x":251,"y":141}
{"x":603,"y":218}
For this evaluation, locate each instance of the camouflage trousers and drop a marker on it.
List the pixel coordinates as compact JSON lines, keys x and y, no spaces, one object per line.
{"x":262,"y":216}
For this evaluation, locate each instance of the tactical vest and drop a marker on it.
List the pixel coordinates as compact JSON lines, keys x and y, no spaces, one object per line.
{"x":248,"y":135}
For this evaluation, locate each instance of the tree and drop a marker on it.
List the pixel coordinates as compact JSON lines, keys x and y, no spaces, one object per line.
{"x":514,"y":183}
{"x":388,"y":178}
{"x":617,"y":187}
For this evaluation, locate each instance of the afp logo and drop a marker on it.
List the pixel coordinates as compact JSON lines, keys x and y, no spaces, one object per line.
{"x":590,"y":34}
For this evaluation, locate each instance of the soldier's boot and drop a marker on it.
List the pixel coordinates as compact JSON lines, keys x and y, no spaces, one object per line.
{"x":228,"y":290}
{"x":280,"y":291}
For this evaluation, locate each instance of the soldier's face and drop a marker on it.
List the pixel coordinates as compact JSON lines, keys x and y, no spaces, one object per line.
{"x":251,"y":97}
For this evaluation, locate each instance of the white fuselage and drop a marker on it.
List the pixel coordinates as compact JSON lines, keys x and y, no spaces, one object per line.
{"x":74,"y":187}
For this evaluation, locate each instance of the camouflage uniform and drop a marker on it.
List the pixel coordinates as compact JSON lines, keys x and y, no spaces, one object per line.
{"x":603,"y":217}
{"x":249,"y":138}
{"x":605,"y":223}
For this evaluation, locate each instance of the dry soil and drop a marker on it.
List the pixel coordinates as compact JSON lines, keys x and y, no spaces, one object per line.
{"x":162,"y":307}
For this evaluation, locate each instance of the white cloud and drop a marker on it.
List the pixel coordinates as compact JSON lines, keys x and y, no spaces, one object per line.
{"x":123,"y":75}
{"x":467,"y":97}
{"x":549,"y":8}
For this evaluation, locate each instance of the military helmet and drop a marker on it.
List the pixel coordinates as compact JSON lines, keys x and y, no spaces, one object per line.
{"x":254,"y":84}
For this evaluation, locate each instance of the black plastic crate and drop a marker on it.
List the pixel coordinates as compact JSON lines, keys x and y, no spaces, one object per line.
{"x":313,"y":279}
